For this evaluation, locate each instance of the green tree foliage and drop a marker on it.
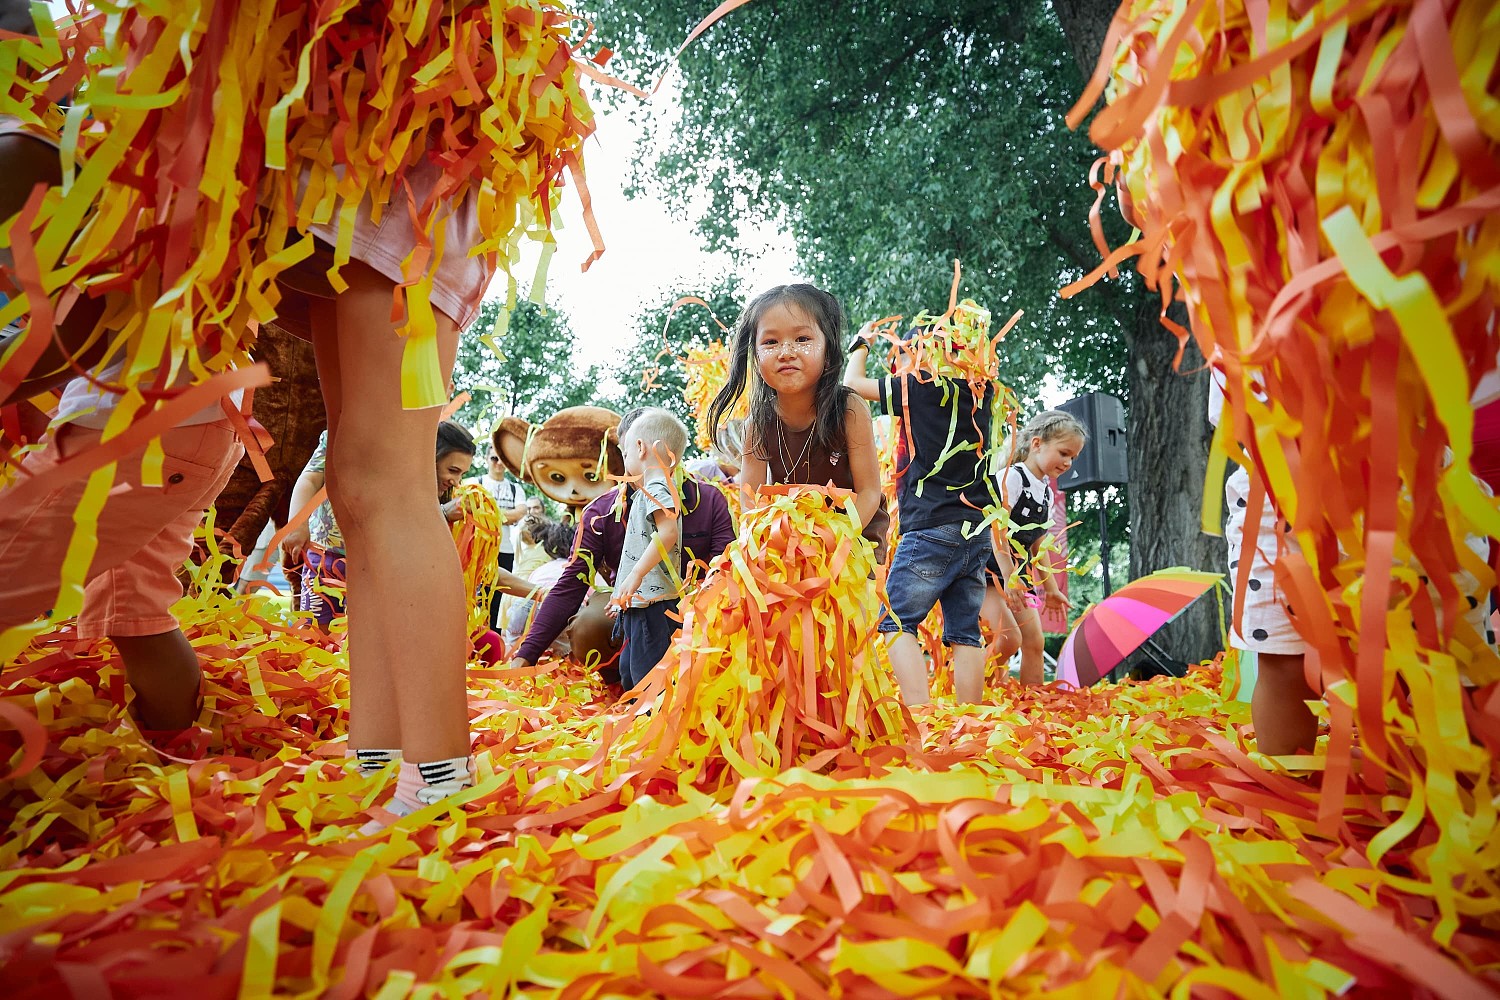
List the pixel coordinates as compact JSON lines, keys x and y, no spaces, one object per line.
{"x":650,"y":368}
{"x":890,"y":139}
{"x":532,"y":376}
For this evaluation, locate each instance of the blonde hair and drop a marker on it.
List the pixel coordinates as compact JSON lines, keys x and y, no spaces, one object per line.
{"x":1049,"y":425}
{"x":653,"y":425}
{"x":729,"y":448}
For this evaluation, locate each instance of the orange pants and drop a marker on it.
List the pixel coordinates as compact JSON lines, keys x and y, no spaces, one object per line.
{"x":145,"y":532}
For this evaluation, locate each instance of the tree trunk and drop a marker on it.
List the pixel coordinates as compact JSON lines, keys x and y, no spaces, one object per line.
{"x":1168,"y":443}
{"x":291,"y":410}
{"x":1168,"y":432}
{"x":1084,"y":25}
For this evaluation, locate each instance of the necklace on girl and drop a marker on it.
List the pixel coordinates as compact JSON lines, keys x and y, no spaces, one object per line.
{"x":781,"y":446}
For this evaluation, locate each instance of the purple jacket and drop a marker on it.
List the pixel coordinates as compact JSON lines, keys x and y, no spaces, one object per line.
{"x":706,"y":530}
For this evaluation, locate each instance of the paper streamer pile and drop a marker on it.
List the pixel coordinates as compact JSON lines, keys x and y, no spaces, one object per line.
{"x":715,"y":838}
{"x":1325,"y":190}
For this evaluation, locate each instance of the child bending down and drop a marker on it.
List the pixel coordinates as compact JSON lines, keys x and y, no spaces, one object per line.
{"x":145,"y":534}
{"x":649,"y":586}
{"x":1045,"y":447}
{"x":144,"y":530}
{"x":555,"y":540}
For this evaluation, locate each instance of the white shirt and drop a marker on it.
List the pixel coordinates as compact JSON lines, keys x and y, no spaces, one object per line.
{"x":508,"y":494}
{"x":87,"y":405}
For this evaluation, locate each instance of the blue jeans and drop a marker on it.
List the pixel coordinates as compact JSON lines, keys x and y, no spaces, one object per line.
{"x":648,"y":635}
{"x":938,"y":566}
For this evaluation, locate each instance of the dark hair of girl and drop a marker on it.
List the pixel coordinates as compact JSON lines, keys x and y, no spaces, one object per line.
{"x":555,"y":538}
{"x":831,"y":395}
{"x":451,"y":437}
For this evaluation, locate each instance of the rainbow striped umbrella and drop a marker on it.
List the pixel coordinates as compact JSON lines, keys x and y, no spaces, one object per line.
{"x":1120,"y":624}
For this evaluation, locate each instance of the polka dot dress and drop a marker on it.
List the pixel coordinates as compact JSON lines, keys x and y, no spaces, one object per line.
{"x":1268,"y":621}
{"x":1266,"y":625}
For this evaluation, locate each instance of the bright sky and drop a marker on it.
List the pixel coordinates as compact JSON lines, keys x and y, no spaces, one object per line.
{"x":649,"y":251}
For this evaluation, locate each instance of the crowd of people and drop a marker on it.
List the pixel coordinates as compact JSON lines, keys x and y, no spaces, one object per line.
{"x":647,"y":541}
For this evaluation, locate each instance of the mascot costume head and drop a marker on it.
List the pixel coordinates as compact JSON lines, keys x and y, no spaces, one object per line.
{"x":570,"y":456}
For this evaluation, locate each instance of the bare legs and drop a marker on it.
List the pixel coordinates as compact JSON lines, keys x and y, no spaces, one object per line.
{"x":968,"y":674}
{"x":163,"y":671}
{"x":1283,"y":722}
{"x":406,"y":602}
{"x":1030,"y":624}
{"x":1005,"y":634}
{"x":910,"y":667}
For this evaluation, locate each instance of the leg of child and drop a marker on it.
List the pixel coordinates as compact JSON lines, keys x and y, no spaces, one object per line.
{"x":164,"y":673}
{"x":1005,"y":635}
{"x":406,"y":603}
{"x":910,"y":668}
{"x":1030,"y":624}
{"x":648,"y":636}
{"x":968,"y":674}
{"x":143,"y":533}
{"x":1278,"y":708}
{"x":128,"y":601}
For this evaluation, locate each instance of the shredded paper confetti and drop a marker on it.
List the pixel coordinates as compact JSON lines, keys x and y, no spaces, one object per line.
{"x":763,"y":819}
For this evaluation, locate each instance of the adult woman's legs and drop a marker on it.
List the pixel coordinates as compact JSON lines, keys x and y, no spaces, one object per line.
{"x":405,"y":586}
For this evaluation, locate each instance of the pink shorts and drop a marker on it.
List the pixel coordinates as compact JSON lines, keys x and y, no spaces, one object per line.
{"x":459,"y":282}
{"x":145,"y":532}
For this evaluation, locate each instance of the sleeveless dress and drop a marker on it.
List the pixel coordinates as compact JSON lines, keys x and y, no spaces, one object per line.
{"x":815,"y":465}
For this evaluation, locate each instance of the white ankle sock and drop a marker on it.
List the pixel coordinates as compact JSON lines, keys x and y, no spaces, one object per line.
{"x":423,"y":784}
{"x":372,"y":761}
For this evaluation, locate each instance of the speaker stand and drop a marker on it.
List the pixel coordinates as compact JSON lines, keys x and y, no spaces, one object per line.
{"x":1103,"y":539}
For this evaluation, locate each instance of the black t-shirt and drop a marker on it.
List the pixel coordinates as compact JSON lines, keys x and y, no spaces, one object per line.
{"x":946,"y":429}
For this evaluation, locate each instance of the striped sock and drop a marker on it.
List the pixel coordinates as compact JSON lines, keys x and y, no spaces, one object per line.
{"x":374,"y":761}
{"x":423,"y":784}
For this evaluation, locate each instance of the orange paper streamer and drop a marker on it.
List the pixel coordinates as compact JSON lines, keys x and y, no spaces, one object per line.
{"x":1318,"y":185}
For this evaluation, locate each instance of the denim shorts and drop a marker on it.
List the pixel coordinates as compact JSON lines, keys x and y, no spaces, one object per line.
{"x":938,"y":566}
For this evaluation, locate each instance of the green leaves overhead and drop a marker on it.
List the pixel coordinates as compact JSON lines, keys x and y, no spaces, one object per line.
{"x":888,"y":139}
{"x":534,"y":380}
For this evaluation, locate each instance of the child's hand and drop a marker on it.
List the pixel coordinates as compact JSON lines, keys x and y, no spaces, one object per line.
{"x":1055,"y":599}
{"x":294,"y":545}
{"x":453,"y":510}
{"x":620,"y":601}
{"x":1016,"y":598}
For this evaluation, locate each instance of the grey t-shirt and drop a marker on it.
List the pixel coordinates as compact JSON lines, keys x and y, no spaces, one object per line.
{"x":653,"y":493}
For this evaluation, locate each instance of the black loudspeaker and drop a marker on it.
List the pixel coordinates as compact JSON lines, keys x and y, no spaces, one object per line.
{"x":1102,"y":461}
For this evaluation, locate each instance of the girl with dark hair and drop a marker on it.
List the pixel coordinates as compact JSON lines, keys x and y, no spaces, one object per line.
{"x":556,"y":540}
{"x":804,"y":425}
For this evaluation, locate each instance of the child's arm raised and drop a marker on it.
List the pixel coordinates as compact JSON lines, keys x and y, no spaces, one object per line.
{"x":854,"y":373}
{"x":859,"y":439}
